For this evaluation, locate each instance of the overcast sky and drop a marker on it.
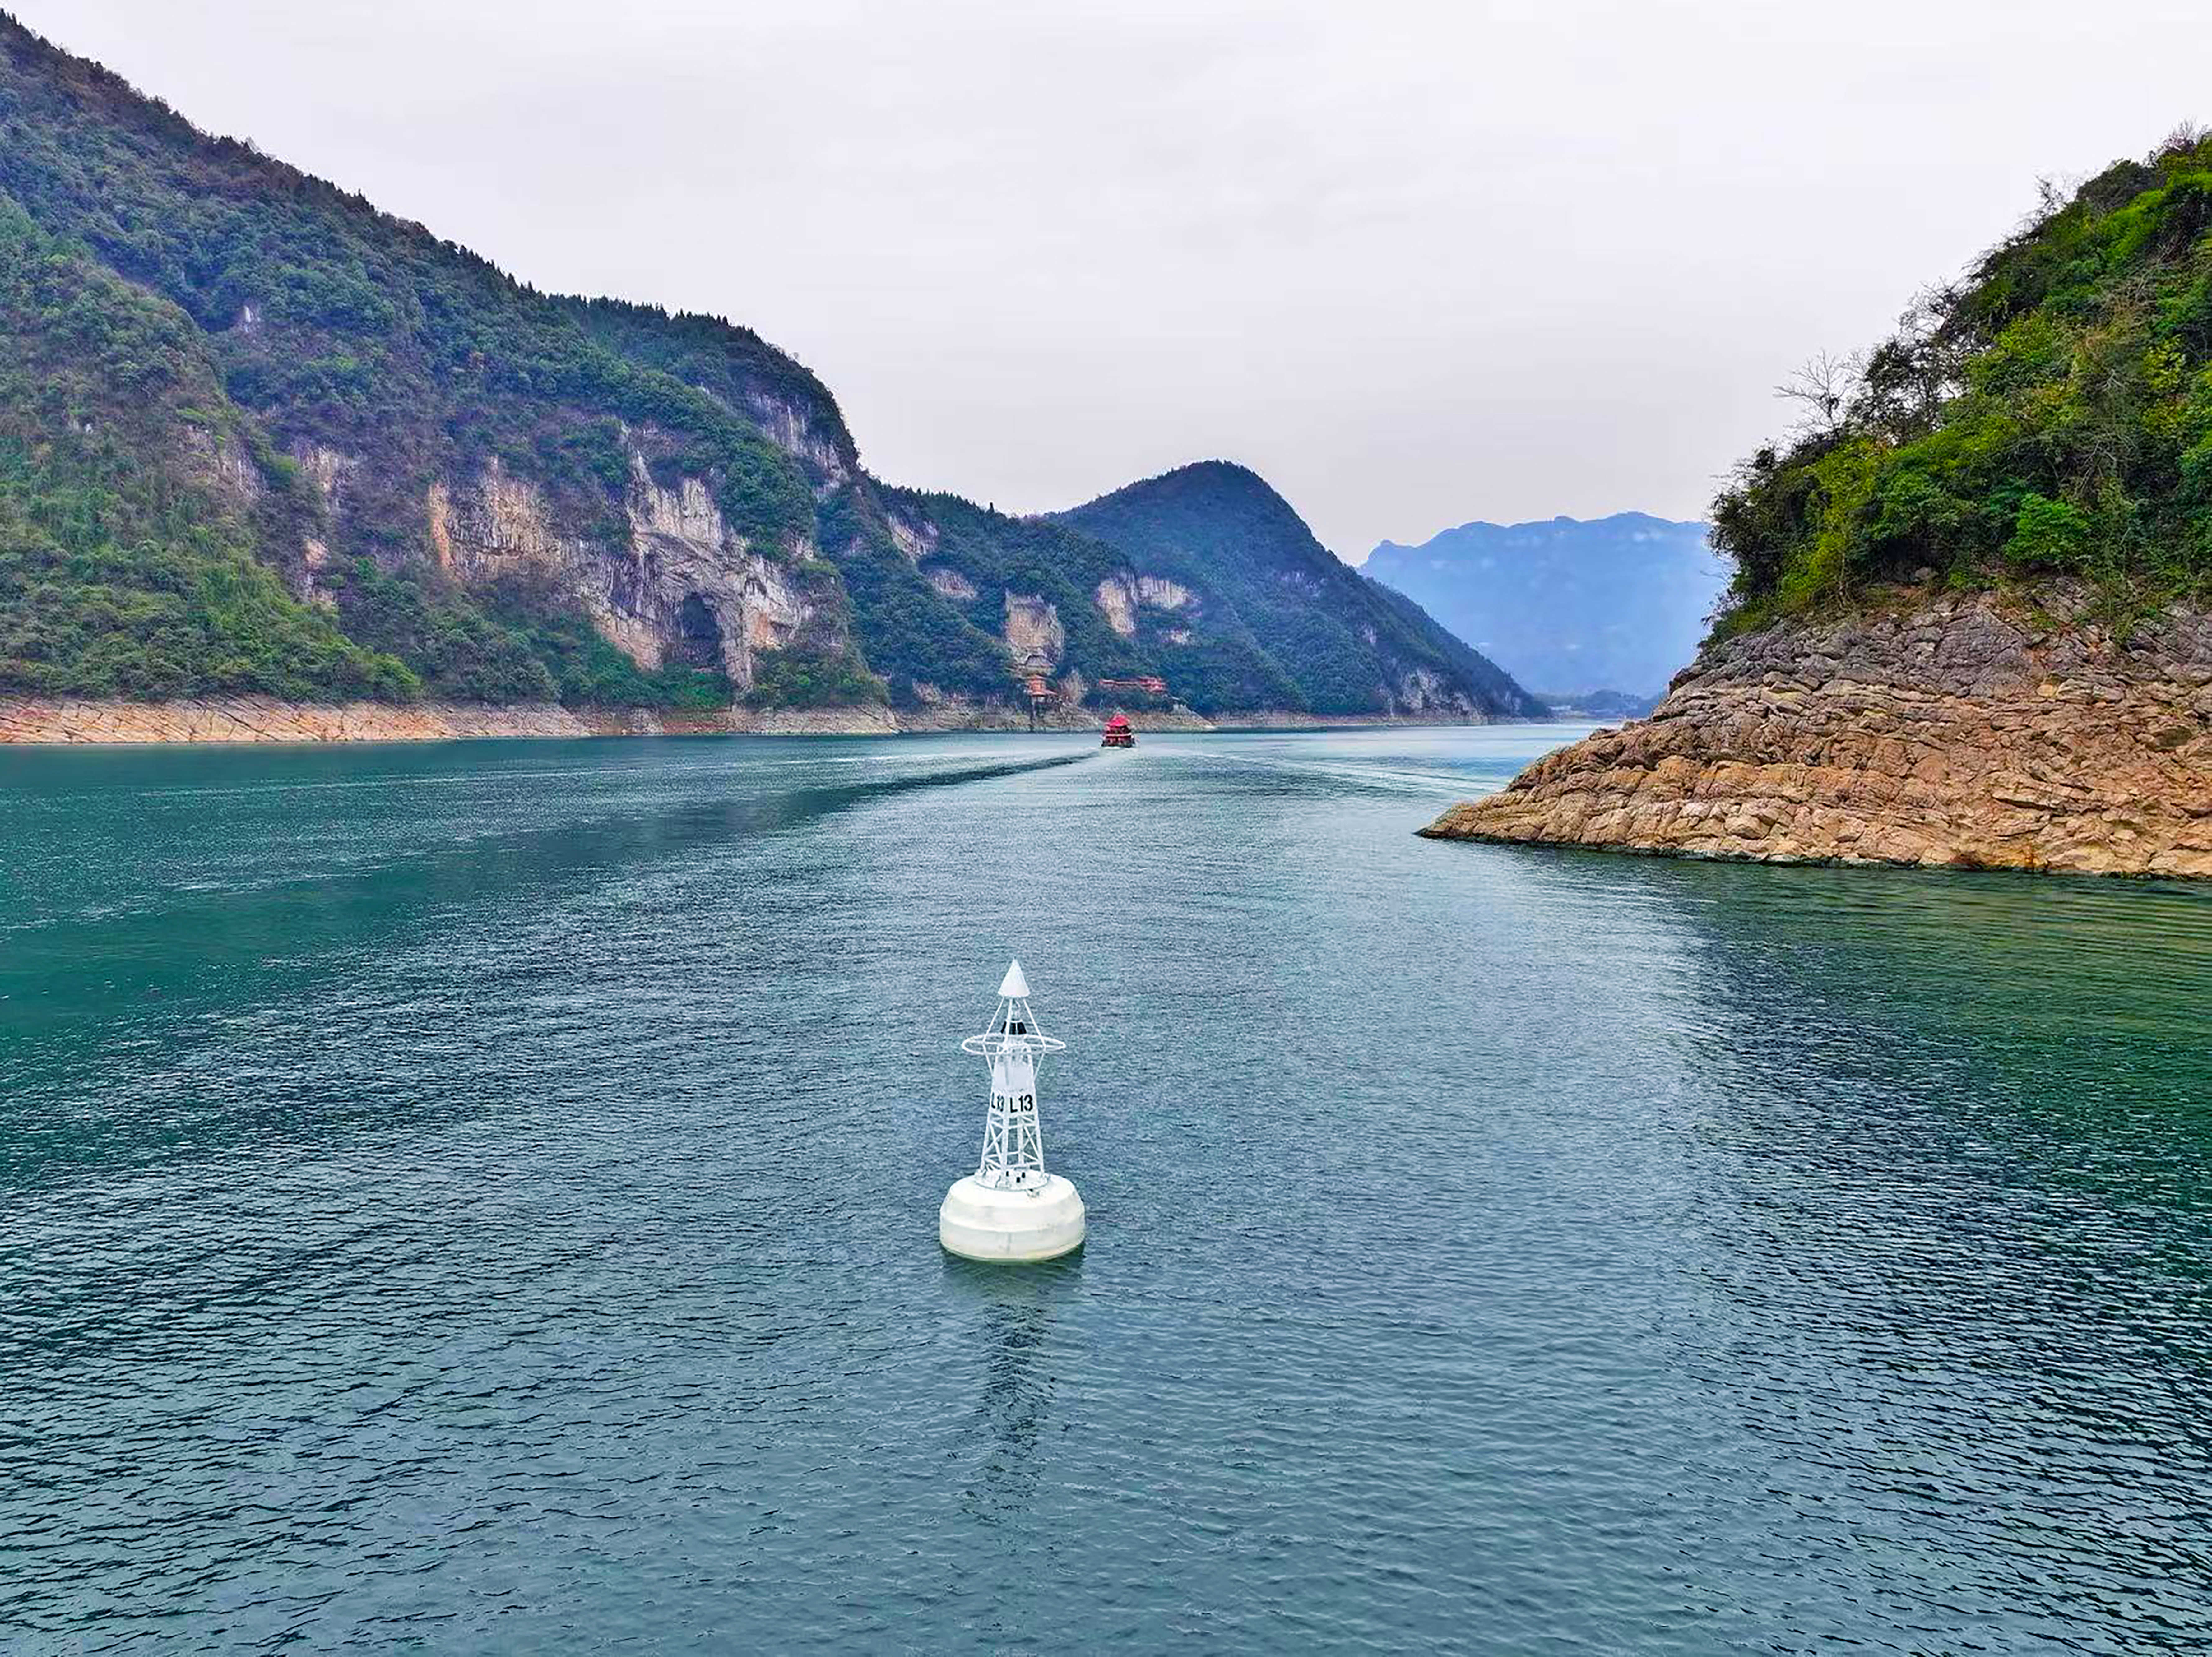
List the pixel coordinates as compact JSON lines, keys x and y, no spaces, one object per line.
{"x":1416,"y":263}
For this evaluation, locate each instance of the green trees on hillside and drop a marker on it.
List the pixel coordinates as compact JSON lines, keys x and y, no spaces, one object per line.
{"x":2050,"y":415}
{"x":301,"y":316}
{"x":914,"y":636}
{"x":1303,"y":629}
{"x":124,"y":571}
{"x":230,"y":394}
{"x":1034,"y":558}
{"x":183,"y":617}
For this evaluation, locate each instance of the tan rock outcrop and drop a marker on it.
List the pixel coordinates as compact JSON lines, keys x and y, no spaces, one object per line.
{"x":1161,"y":593}
{"x":1963,"y":731}
{"x":1033,"y":630}
{"x":332,"y":471}
{"x":220,"y":460}
{"x":1420,"y":690}
{"x":948,"y":581}
{"x":915,"y":539}
{"x":686,"y":587}
{"x":791,"y":428}
{"x":1119,"y":595}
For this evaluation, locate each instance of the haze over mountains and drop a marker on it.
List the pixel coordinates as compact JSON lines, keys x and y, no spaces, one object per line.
{"x":257,"y":436}
{"x":1568,"y":606}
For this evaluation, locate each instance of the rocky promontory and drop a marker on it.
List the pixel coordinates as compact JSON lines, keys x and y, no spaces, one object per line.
{"x":1962,"y":731}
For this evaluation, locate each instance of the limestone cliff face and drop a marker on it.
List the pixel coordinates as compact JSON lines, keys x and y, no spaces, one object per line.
{"x":684,"y":587}
{"x":332,"y":471}
{"x":948,"y":581}
{"x":1034,"y":631}
{"x":1967,"y":732}
{"x":222,"y":462}
{"x":912,"y":533}
{"x":1418,"y":690}
{"x":325,"y":383}
{"x":808,"y":435}
{"x":1119,"y":595}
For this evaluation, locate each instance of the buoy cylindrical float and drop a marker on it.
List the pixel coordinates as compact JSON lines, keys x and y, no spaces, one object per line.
{"x":1009,"y":1209}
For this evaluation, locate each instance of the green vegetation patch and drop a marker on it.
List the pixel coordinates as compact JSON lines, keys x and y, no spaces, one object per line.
{"x":127,"y":566}
{"x":913,"y":634}
{"x":1284,"y":623}
{"x":2051,"y":415}
{"x":179,"y":309}
{"x":804,"y":676}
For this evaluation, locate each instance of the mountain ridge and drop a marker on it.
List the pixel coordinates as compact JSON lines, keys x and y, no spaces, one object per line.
{"x":1221,"y":521}
{"x":1629,"y":515}
{"x":1569,"y":606}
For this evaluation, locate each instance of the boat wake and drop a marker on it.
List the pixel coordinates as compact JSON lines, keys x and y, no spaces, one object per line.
{"x":1453,"y":783}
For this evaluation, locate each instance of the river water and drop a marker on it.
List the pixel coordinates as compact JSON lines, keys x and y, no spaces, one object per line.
{"x":481,"y":1197}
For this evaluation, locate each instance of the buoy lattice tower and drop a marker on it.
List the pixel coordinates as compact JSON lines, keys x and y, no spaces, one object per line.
{"x":1011,"y":1208}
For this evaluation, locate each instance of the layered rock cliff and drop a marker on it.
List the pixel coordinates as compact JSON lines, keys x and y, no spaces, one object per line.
{"x":682,"y":586}
{"x":1962,"y":732}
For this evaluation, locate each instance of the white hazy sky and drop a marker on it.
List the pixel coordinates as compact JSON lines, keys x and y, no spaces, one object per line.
{"x":1417,"y":263}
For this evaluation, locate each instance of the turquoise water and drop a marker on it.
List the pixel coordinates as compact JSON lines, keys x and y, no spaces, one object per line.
{"x":483,"y":1198}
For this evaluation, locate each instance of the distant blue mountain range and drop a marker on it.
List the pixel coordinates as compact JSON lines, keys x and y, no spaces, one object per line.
{"x":1568,"y":606}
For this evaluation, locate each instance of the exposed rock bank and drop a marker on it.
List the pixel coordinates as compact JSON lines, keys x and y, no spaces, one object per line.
{"x":1969,"y":732}
{"x":264,"y":719}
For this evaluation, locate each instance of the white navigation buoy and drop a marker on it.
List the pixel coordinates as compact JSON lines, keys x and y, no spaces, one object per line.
{"x":1009,"y":1209}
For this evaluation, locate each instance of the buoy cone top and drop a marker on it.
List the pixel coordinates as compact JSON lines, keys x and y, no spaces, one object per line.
{"x":1016,"y":988}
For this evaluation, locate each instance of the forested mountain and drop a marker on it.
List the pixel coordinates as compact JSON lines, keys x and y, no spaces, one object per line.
{"x":1308,"y":629}
{"x":257,"y":436}
{"x":1568,"y":606}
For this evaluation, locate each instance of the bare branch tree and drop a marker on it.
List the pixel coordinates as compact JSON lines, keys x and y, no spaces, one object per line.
{"x":1822,"y":386}
{"x":2185,"y":138}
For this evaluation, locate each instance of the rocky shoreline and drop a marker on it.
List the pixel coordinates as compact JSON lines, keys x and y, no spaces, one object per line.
{"x":1959,"y":731}
{"x":87,"y":720}
{"x":38,"y":719}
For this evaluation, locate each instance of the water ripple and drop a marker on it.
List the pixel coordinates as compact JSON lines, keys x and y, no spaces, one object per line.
{"x":480,"y":1197}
